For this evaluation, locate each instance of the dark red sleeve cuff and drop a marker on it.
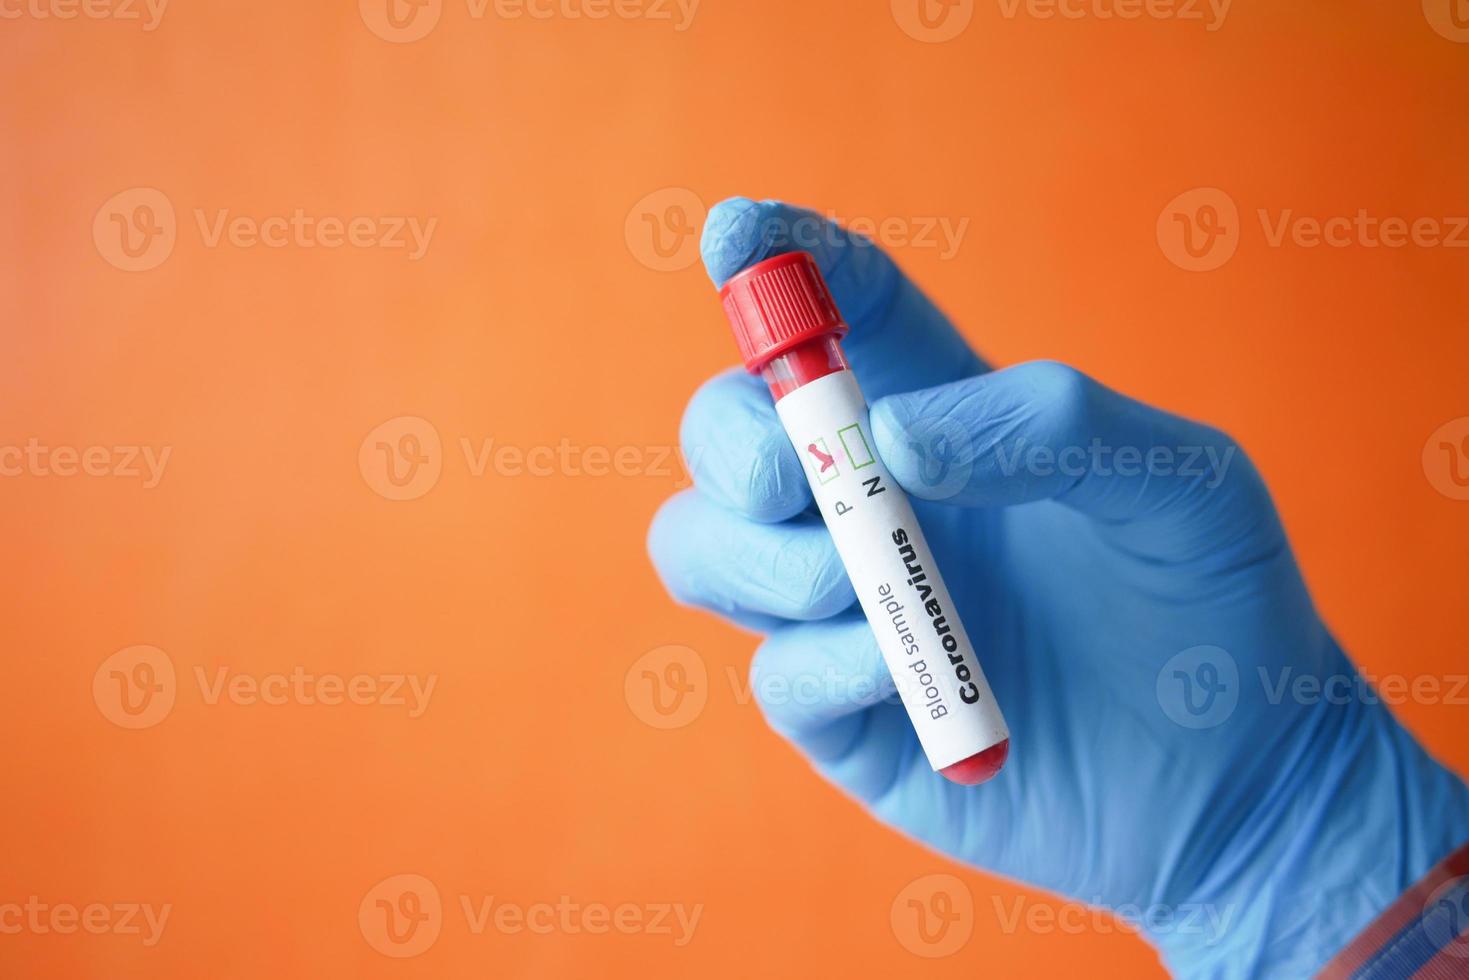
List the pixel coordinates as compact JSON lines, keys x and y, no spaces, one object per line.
{"x":1424,"y":935}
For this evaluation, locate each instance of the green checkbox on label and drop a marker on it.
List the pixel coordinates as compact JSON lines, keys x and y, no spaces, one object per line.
{"x":854,"y":443}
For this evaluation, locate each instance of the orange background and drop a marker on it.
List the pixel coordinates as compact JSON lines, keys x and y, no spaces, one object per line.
{"x":533,"y":319}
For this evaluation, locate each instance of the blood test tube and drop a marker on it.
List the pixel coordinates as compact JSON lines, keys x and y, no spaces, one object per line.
{"x":789,"y":332}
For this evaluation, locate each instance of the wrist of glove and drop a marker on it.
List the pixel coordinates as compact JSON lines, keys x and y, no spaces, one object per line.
{"x":1359,"y":814}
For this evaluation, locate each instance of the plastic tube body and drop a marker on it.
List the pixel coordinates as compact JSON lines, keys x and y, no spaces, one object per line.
{"x":889,"y":562}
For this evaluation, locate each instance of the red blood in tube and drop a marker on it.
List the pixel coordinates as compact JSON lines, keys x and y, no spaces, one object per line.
{"x":980,"y":767}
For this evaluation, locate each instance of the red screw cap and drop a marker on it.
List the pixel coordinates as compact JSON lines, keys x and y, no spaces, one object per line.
{"x":777,"y":305}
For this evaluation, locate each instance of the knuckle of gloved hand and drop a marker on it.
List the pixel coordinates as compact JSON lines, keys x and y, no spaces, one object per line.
{"x":769,"y":686}
{"x":792,"y":682}
{"x":665,"y":533}
{"x":773,"y":487}
{"x":831,"y":592}
{"x":694,"y":432}
{"x":739,"y":454}
{"x":813,"y":578}
{"x":1062,"y":399}
{"x":1225,"y":466}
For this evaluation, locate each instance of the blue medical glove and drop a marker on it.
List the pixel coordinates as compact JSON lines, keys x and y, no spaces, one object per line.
{"x":1189,"y":745}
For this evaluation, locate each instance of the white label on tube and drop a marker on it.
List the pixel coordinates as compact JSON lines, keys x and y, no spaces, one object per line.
{"x":893,"y":571}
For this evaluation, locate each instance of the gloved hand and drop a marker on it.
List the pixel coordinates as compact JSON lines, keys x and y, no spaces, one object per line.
{"x":1144,"y":627}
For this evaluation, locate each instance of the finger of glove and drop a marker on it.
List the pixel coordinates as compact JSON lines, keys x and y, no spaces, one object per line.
{"x":711,"y":557}
{"x":1163,"y":486}
{"x":899,"y":339}
{"x":739,"y":454}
